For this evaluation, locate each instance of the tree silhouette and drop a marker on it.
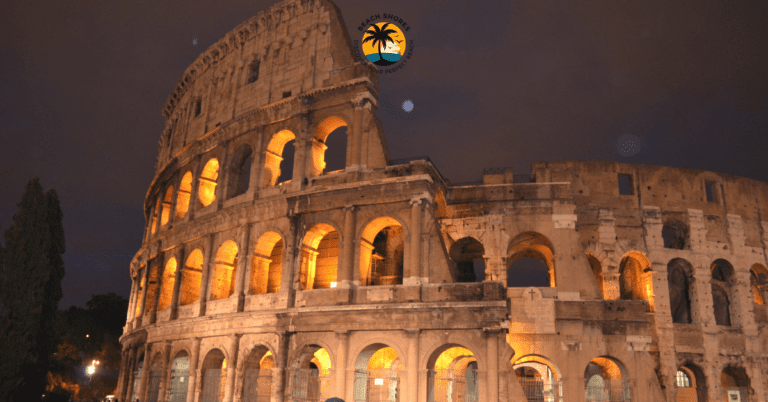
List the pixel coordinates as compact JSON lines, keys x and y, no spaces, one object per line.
{"x":379,"y":37}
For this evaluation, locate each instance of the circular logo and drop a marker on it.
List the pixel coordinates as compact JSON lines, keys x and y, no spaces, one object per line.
{"x":384,"y":44}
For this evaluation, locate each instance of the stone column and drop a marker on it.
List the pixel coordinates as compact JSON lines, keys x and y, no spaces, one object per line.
{"x":131,"y":321}
{"x":123,"y":371}
{"x":131,"y":367}
{"x":345,"y":276}
{"x":160,"y":261}
{"x":341,"y":363}
{"x":193,"y":371}
{"x":177,"y":282}
{"x":142,"y":391}
{"x":165,"y":374}
{"x":221,"y":183}
{"x":611,"y":289}
{"x":245,"y":250}
{"x":193,"y":201}
{"x":234,"y":343}
{"x":362,"y":143}
{"x":144,"y":292}
{"x":208,"y":263}
{"x":280,"y":372}
{"x":412,"y":381}
{"x":657,"y":281}
{"x":742,"y":304}
{"x":290,"y":261}
{"x":414,"y":276}
{"x":353,"y":145}
{"x":302,"y":154}
{"x":174,"y":199}
{"x":492,"y":352}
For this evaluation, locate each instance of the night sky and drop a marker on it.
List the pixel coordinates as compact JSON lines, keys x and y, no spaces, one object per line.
{"x":83,"y":83}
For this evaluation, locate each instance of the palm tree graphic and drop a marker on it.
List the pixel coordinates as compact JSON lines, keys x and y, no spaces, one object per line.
{"x":379,"y":36}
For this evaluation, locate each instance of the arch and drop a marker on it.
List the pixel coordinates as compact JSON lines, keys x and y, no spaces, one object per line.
{"x":140,"y":291}
{"x":468,"y":253}
{"x":240,"y":171}
{"x":213,"y":376}
{"x":183,"y":195}
{"x":734,"y":380}
{"x":177,"y":391}
{"x":722,"y":273}
{"x":530,"y":247}
{"x":679,"y":281}
{"x":675,"y":234}
{"x":310,"y":374}
{"x":452,"y":374}
{"x":319,"y":257}
{"x":191,"y":278}
{"x":377,"y":374}
{"x":324,"y":129}
{"x":155,"y":216}
{"x":155,"y":372}
{"x":166,"y":214}
{"x":758,"y":276}
{"x":206,"y":193}
{"x":152,"y":286}
{"x":166,"y":290}
{"x":266,"y":264}
{"x":632,"y":284}
{"x":698,"y":384}
{"x":257,"y":375}
{"x":223,"y":275}
{"x":274,"y":156}
{"x":597,"y":272}
{"x":382,"y":252}
{"x":538,"y":377}
{"x":606,"y":380}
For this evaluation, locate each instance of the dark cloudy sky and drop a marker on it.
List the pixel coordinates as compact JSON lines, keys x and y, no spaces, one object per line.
{"x":82,"y":85}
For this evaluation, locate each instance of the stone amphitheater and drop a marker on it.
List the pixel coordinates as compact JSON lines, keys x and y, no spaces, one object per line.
{"x":287,"y":257}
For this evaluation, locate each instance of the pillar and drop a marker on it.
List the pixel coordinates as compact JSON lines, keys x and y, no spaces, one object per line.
{"x":289,"y":265}
{"x":124,"y":363}
{"x":144,"y":292}
{"x":160,"y":260}
{"x":165,"y":374}
{"x":193,"y":201}
{"x":347,"y":249}
{"x":131,"y":367}
{"x":208,"y":262}
{"x":245,"y":249}
{"x":412,"y":387}
{"x":130,"y":322}
{"x":492,"y":353}
{"x":193,"y":371}
{"x":414,"y":276}
{"x":234,"y":343}
{"x":142,"y":391}
{"x":177,"y":283}
{"x":353,"y":144}
{"x":220,"y":182}
{"x":341,"y":363}
{"x":280,"y":372}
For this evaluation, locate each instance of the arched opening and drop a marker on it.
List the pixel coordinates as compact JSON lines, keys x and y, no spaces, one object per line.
{"x":679,"y":281}
{"x":257,"y":375}
{"x":758,"y":276}
{"x":155,"y":215}
{"x":166,"y":214}
{"x":468,"y":253}
{"x":319,"y":258}
{"x":182,"y":198}
{"x":155,"y":373}
{"x":266,"y":264}
{"x":214,"y":377}
{"x":597,"y":271}
{"x":381,"y":252}
{"x":452,"y":375}
{"x":691,"y":384}
{"x":177,"y":392}
{"x":152,"y":286}
{"x":632,"y":285}
{"x":206,"y":193}
{"x":191,"y":277}
{"x":539,"y":379}
{"x":735,"y":384}
{"x":377,"y":374}
{"x":278,"y":159}
{"x":137,"y":374}
{"x":310,"y":375}
{"x":530,"y":259}
{"x":240,"y":171}
{"x":722,"y":272}
{"x":675,"y":234}
{"x":606,"y":380}
{"x":140,"y":291}
{"x":223,"y":278}
{"x":166,"y":291}
{"x":329,"y":144}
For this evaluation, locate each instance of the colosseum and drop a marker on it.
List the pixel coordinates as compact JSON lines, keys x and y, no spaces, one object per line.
{"x":268,"y":274}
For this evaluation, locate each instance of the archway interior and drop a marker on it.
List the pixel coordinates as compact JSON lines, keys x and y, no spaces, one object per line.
{"x":206,"y":193}
{"x":597,"y":272}
{"x":310,"y":374}
{"x":319,"y":258}
{"x":266,"y":264}
{"x":606,"y":380}
{"x":152,"y":287}
{"x":223,"y":278}
{"x":329,"y":147}
{"x":734,"y":381}
{"x":142,"y":289}
{"x":468,"y":253}
{"x":632,"y":285}
{"x":177,"y":391}
{"x":538,"y":378}
{"x":257,"y":375}
{"x":678,"y":278}
{"x":166,"y":291}
{"x":758,"y":276}
{"x":166,"y":214}
{"x":191,"y":277}
{"x":675,"y":234}
{"x":685,"y":382}
{"x":278,"y":163}
{"x":453,"y":376}
{"x":722,"y":272}
{"x":240,"y":171}
{"x":214,"y":376}
{"x":183,"y":195}
{"x":377,"y":374}
{"x":382,"y":252}
{"x":530,"y":259}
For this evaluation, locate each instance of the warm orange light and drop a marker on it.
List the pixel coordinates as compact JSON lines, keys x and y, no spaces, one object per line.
{"x":169,"y":278}
{"x":207,"y":190}
{"x":182,"y":198}
{"x":166,"y":206}
{"x":382,"y":359}
{"x":192,"y":274}
{"x":223,"y":278}
{"x":322,"y":360}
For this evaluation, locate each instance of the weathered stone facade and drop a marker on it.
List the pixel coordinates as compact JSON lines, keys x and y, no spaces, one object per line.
{"x":385,"y":282}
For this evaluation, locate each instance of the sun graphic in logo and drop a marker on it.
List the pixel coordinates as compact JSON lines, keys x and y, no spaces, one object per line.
{"x":383,"y":44}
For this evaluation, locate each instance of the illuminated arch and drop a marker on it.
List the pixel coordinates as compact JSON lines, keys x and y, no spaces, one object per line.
{"x":319,"y":257}
{"x":377,"y":373}
{"x":381,"y":252}
{"x":166,"y":214}
{"x":758,"y":276}
{"x":606,"y":379}
{"x":257,"y":374}
{"x":152,"y":287}
{"x":140,"y":291}
{"x":538,"y":377}
{"x":324,"y":129}
{"x":452,"y":374}
{"x":177,"y":391}
{"x":206,"y":193}
{"x":191,"y":277}
{"x":223,"y":278}
{"x":155,"y":216}
{"x":274,"y":156}
{"x":182,"y":197}
{"x":310,"y":373}
{"x":213,"y":376}
{"x":597,"y":272}
{"x":531,"y":245}
{"x":166,"y":290}
{"x":266,"y":264}
{"x":632,"y":284}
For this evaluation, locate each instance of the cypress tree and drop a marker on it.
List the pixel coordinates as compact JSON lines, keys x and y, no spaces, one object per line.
{"x":30,"y":285}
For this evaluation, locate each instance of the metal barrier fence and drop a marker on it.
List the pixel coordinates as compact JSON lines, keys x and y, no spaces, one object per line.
{"x":153,"y":387}
{"x":257,"y":385}
{"x":539,"y":390}
{"x":451,"y":386}
{"x":608,"y":391}
{"x":179,"y":384}
{"x":309,"y":385}
{"x":212,"y":390}
{"x":377,"y":385}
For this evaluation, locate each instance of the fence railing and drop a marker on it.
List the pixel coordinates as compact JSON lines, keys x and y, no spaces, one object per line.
{"x":452,"y":386}
{"x":377,"y":385}
{"x":179,"y":384}
{"x":309,"y":385}
{"x":609,"y":391}
{"x":539,"y":390}
{"x":257,"y":385}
